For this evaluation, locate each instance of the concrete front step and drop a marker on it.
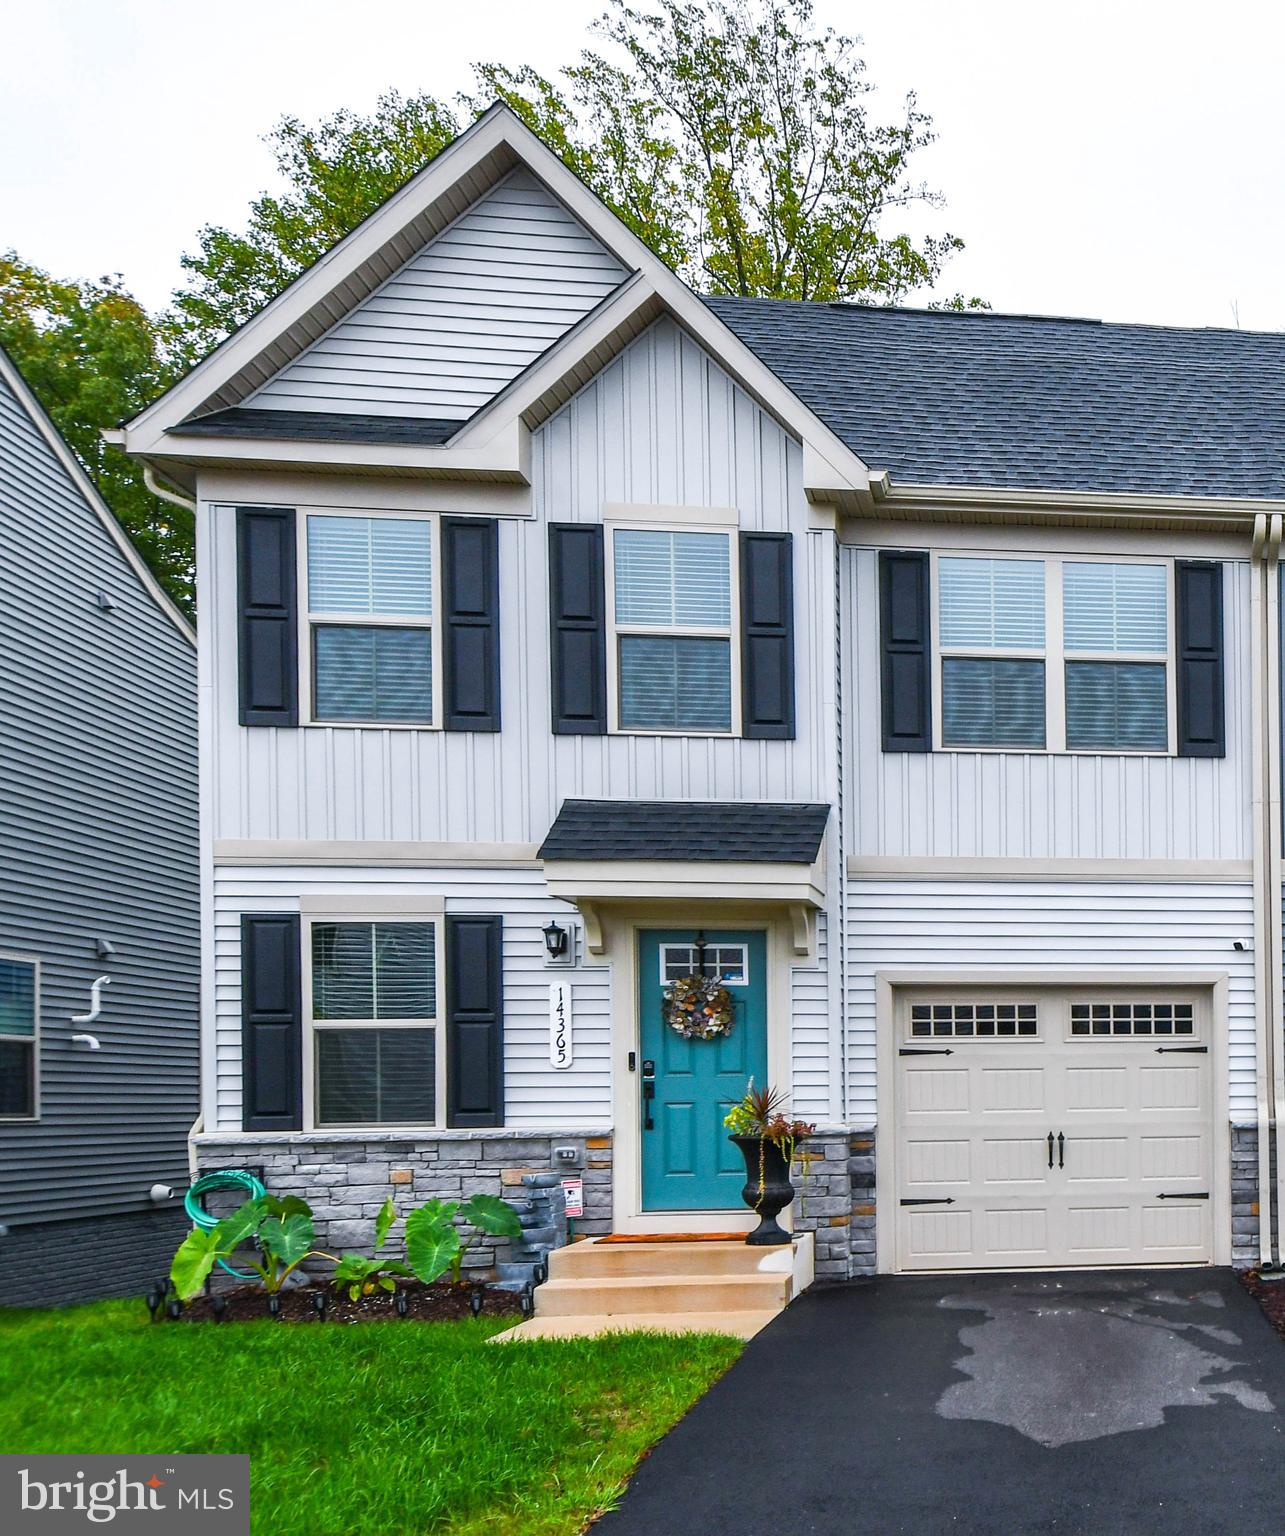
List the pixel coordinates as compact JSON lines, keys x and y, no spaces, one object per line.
{"x":741,"y":1325}
{"x":595,"y":1258}
{"x":609,"y":1295}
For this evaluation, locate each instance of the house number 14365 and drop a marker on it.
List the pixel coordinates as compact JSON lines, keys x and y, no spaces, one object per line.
{"x":560,"y":1025}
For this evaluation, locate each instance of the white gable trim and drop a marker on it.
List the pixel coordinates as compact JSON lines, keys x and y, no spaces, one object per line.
{"x":86,"y":488}
{"x":336,"y":283}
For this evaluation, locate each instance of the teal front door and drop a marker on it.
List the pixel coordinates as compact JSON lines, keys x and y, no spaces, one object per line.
{"x":688,"y":1164}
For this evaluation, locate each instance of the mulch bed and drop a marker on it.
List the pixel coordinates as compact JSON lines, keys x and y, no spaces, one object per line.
{"x":439,"y":1302}
{"x":1270,"y":1295}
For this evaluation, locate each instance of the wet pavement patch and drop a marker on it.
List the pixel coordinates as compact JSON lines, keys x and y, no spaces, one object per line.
{"x":1120,"y":1403}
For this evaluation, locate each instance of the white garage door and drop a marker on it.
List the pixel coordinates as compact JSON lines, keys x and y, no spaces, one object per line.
{"x":1041,"y":1130}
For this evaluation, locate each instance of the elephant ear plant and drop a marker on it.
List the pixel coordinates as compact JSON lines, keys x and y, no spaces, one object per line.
{"x":284,"y":1237}
{"x":433,"y":1242}
{"x":361,"y":1275}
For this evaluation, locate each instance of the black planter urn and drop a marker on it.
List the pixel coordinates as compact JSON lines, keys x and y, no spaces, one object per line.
{"x":767,"y":1189}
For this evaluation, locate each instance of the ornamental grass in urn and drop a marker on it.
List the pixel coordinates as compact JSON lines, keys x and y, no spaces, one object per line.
{"x":769,"y":1145}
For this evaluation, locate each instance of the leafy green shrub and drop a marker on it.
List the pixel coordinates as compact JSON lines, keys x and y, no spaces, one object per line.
{"x":433,"y":1241}
{"x":281,"y":1227}
{"x":360,"y":1274}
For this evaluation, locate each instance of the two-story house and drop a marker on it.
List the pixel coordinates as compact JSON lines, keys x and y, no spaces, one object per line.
{"x":564,"y":634}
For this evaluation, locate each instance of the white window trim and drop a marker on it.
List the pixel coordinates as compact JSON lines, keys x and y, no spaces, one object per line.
{"x":731,"y":632}
{"x":309,"y":621}
{"x":1054,"y":654}
{"x":358,"y":913}
{"x":33,"y":961}
{"x":743,"y":980}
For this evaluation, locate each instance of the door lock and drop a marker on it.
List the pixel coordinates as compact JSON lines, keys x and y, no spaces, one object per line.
{"x":648,"y":1093}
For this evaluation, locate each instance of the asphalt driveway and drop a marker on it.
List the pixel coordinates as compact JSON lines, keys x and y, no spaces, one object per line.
{"x":1121,"y":1403}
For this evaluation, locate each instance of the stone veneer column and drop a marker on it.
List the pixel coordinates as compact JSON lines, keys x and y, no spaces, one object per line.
{"x":837,"y":1202}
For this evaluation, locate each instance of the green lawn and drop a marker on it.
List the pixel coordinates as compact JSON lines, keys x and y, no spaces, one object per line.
{"x":379,"y":1429}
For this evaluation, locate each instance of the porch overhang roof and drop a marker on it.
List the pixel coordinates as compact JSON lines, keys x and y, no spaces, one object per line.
{"x":632,"y":852}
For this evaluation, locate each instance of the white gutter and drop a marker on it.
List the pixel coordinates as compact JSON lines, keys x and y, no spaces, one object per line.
{"x":157,"y":489}
{"x":1265,"y":723}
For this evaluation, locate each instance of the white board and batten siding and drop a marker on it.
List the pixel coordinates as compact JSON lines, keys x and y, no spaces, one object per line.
{"x":662,"y":425}
{"x":922,"y":926}
{"x":537,"y":1095}
{"x":462,"y":318}
{"x":962,"y":804}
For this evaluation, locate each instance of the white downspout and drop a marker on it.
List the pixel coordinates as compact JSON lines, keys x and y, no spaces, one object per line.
{"x":1264,"y":1076}
{"x":1276,"y":975}
{"x":157,"y":489}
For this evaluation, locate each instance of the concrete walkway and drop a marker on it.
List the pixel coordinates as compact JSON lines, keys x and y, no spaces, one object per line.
{"x":1120,"y":1403}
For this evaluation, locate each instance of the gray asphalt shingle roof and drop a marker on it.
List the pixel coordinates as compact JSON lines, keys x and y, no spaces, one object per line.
{"x":943,"y":398}
{"x":319,"y":426}
{"x":743,"y":832}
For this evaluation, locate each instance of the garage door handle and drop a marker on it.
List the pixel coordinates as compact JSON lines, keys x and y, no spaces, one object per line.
{"x":1191,"y":1194}
{"x":1182,"y":1050}
{"x":1061,"y":1150}
{"x":940,"y":1200}
{"x":1050,"y":1149}
{"x":910,"y":1050}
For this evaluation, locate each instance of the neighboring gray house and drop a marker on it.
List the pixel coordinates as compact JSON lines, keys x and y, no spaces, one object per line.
{"x":98,"y":879}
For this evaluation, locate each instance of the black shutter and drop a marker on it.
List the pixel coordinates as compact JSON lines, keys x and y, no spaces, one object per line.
{"x":474,"y":1021}
{"x":271,"y":1024}
{"x":905,"y":645}
{"x":1199,"y":598}
{"x":266,"y":604}
{"x":767,"y":636}
{"x":578,"y":629}
{"x":471,"y":638}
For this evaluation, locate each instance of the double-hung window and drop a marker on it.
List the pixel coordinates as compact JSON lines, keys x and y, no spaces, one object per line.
{"x":19,"y":991}
{"x":374,"y":1009}
{"x":370,"y":635}
{"x":1055,"y":653}
{"x":673,"y":647}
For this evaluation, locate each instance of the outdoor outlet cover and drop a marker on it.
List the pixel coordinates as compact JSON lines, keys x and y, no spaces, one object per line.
{"x":566,"y":1154}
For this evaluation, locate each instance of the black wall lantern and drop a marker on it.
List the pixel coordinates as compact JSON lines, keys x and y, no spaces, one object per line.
{"x":555,"y":940}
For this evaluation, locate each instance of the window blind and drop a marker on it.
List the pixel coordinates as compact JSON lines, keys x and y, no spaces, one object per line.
{"x":1115,"y":607}
{"x":992,"y":702}
{"x":372,"y":673}
{"x":373,"y":565}
{"x":376,"y":1076}
{"x":672,"y":580}
{"x":993,"y":604}
{"x":17,"y":998}
{"x":675,"y":682}
{"x":1116,"y":704}
{"x":374,"y":971}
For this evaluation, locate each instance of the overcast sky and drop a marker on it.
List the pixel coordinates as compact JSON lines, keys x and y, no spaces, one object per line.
{"x":1119,"y":160}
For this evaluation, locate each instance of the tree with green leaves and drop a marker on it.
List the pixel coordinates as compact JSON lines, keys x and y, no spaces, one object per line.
{"x":93,"y":357}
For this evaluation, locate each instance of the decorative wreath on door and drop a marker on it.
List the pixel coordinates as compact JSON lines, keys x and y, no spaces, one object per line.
{"x":698,"y":1007}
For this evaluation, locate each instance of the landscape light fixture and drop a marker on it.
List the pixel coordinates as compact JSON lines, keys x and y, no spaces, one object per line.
{"x":555,"y":940}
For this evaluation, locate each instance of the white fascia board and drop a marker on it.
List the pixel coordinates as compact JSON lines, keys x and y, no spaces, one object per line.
{"x":507,"y":455}
{"x":950,"y":500}
{"x":841,"y":472}
{"x":696,"y":880}
{"x":63,"y":453}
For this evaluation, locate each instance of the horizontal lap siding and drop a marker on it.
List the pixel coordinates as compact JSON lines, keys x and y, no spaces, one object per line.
{"x":464,"y":317}
{"x":1032,"y":805}
{"x":661,"y":425}
{"x":812,"y":1032}
{"x":903,"y":925}
{"x":98,"y":839}
{"x":535,"y":1095}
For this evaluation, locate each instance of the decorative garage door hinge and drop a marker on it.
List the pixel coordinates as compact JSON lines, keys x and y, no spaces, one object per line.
{"x":1182,"y":1050}
{"x":939,"y":1200}
{"x":911,"y":1050}
{"x":1191,"y":1194}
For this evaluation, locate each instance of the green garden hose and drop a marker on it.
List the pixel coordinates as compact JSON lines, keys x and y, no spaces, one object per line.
{"x":224,"y":1178}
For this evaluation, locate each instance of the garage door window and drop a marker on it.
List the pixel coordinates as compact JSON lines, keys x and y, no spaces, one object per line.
{"x":1128,"y":1020}
{"x":991,"y":1021}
